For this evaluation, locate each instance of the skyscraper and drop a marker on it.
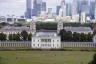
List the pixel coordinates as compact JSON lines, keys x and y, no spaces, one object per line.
{"x":74,"y":7}
{"x":37,"y":7}
{"x":49,"y":13}
{"x":68,"y":9}
{"x":62,"y":11}
{"x":92,"y":9}
{"x":28,"y":13}
{"x":58,"y":9}
{"x":43,"y":9}
{"x":34,"y":11}
{"x":82,"y":17}
{"x":95,"y":12}
{"x":44,"y":6}
{"x":83,"y":6}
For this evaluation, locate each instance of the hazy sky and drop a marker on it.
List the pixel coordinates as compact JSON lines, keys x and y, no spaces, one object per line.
{"x":18,"y":7}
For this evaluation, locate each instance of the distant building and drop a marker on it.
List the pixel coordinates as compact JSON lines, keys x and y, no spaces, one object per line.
{"x":10,"y":19}
{"x":75,"y":18}
{"x":62,"y":12}
{"x":95,"y":13}
{"x":68,"y":9}
{"x":28,"y":13}
{"x":74,"y":7}
{"x":49,"y":13}
{"x":37,"y":7}
{"x":20,"y":20}
{"x":43,"y":10}
{"x":3,"y":19}
{"x":84,"y":30}
{"x":92,"y":9}
{"x":82,"y":17}
{"x":44,"y":6}
{"x":57,"y":10}
{"x":14,"y":30}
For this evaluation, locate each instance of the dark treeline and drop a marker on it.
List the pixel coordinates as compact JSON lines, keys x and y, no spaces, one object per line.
{"x":75,"y":37}
{"x":46,"y":25}
{"x":53,"y":25}
{"x":23,"y":36}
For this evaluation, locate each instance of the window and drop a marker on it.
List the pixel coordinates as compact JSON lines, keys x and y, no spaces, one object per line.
{"x":53,"y":40}
{"x":57,"y":45}
{"x":53,"y":45}
{"x":57,"y":40}
{"x":38,"y":45}
{"x":33,"y":44}
{"x":33,"y":40}
{"x":45,"y":40}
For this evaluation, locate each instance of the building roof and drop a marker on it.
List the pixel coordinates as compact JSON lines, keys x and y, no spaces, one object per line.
{"x":78,"y":29}
{"x":48,"y":34}
{"x":15,"y":28}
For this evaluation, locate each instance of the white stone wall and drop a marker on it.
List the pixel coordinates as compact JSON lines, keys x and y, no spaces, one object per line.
{"x":78,"y":44}
{"x":19,"y":44}
{"x":55,"y":42}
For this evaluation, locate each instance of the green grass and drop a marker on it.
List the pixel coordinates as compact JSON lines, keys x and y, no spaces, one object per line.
{"x":45,"y":57}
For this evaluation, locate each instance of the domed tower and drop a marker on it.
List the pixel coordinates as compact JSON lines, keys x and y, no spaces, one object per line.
{"x":33,"y":27}
{"x":59,"y":26}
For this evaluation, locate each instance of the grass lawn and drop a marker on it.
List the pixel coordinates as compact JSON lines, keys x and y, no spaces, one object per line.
{"x":45,"y":57}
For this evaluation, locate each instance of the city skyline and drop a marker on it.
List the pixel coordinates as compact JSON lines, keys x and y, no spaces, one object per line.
{"x":18,"y":7}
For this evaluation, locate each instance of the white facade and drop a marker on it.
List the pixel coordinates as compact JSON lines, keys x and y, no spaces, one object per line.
{"x":83,"y":17}
{"x":46,"y":40}
{"x":94,"y":39}
{"x":62,"y":12}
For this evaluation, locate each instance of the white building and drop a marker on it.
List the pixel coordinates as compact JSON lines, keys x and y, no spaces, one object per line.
{"x":75,"y":18}
{"x":62,"y":12}
{"x":83,"y":17}
{"x":47,"y":40}
{"x":84,"y":30}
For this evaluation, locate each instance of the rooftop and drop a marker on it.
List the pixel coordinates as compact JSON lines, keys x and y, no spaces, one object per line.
{"x":46,"y":34}
{"x":78,"y":29}
{"x":15,"y":28}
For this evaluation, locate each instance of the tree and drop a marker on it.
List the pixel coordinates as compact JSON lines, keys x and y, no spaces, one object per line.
{"x":83,"y":37}
{"x":63,"y":35}
{"x":76,"y":37}
{"x":69,"y":36}
{"x":2,"y":36}
{"x":94,"y":60}
{"x":29,"y":37}
{"x":14,"y":37}
{"x":94,"y":32}
{"x":89,"y":37}
{"x":10,"y":37}
{"x":24,"y":35}
{"x":17,"y":37}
